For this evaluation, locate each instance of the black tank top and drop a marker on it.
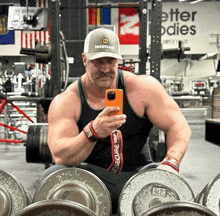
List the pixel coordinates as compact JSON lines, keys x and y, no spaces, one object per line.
{"x":135,"y":132}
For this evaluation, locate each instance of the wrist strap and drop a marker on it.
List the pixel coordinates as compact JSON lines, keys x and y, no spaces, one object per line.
{"x":174,"y":163}
{"x":93,"y":132}
{"x":90,"y":134}
{"x":117,"y":154}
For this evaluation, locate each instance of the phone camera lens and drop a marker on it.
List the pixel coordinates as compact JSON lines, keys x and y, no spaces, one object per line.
{"x":111,"y":95}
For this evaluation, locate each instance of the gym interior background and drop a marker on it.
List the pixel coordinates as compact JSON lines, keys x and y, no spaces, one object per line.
{"x":177,"y":42}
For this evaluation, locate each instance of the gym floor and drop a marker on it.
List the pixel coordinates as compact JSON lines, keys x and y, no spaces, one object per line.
{"x":199,"y":165}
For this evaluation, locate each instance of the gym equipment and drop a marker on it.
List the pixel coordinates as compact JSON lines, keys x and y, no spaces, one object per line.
{"x":212,"y":195}
{"x":77,"y":185}
{"x":29,"y":19}
{"x":209,"y":196}
{"x":157,"y":144}
{"x":200,"y":196}
{"x":152,"y":187}
{"x":42,"y":52}
{"x":56,"y":207}
{"x":37,"y":150}
{"x":179,"y":208}
{"x":180,"y":51}
{"x":13,"y":196}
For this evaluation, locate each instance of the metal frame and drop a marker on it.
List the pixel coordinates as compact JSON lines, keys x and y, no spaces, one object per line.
{"x":142,"y":36}
{"x":155,"y":55}
{"x":55,"y":81}
{"x":155,"y":41}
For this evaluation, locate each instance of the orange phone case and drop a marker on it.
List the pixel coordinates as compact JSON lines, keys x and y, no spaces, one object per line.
{"x":118,"y":101}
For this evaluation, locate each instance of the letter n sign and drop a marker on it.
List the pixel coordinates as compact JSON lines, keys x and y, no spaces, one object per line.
{"x":128,"y":25}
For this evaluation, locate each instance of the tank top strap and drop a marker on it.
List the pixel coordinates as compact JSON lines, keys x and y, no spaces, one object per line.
{"x":120,"y":80}
{"x":81,"y":91}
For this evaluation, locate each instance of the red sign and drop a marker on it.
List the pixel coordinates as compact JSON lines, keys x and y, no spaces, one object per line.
{"x":128,"y":25}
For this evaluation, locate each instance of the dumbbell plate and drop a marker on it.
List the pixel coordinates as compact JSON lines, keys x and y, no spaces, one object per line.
{"x":12,"y":195}
{"x":179,"y":208}
{"x":200,"y":196}
{"x":212,"y":195}
{"x":144,"y":179}
{"x":56,"y":207}
{"x":64,"y":183}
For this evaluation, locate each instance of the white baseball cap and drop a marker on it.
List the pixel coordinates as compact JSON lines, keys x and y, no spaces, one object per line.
{"x":102,"y":42}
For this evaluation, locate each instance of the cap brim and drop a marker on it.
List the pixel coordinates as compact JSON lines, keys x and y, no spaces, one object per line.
{"x":92,"y":56}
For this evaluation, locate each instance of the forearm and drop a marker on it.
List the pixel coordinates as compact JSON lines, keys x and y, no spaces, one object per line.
{"x":70,"y":150}
{"x":177,"y":138}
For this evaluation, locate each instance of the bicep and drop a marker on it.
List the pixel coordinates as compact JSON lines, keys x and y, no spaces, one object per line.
{"x":62,"y":121}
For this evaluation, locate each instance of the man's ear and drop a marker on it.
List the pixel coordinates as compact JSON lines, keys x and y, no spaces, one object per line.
{"x":84,"y":59}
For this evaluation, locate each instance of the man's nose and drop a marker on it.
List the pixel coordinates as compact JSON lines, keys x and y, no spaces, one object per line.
{"x":105,"y":67}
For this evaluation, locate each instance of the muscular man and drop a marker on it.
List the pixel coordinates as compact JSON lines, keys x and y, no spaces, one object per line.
{"x":82,"y":106}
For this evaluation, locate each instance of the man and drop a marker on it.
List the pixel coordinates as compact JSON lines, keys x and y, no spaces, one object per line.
{"x":80,"y":125}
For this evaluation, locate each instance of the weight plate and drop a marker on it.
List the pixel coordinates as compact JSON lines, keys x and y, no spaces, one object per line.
{"x":56,"y":207}
{"x":12,"y":195}
{"x":44,"y":151}
{"x":212,"y":195}
{"x":29,"y":198}
{"x":152,"y":194}
{"x":136,"y":183}
{"x":36,"y":145}
{"x":5,"y":202}
{"x":179,"y":208}
{"x":66,"y":182}
{"x":29,"y":143}
{"x":200,"y":196}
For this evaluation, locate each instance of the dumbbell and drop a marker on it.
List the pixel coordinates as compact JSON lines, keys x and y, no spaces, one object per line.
{"x":13,"y":196}
{"x":178,"y":208}
{"x":70,"y":190}
{"x":209,"y":196}
{"x":152,"y":187}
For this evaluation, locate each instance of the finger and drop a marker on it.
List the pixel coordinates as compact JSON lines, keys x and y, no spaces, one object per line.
{"x":116,"y":124}
{"x":116,"y":118}
{"x":110,"y":109}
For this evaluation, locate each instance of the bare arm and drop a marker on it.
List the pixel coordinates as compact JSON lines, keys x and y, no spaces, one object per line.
{"x":67,"y":145}
{"x":163,"y":112}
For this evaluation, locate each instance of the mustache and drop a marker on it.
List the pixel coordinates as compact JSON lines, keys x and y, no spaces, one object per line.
{"x":101,"y":74}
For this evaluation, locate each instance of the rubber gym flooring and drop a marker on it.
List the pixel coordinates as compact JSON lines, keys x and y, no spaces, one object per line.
{"x":199,"y":165}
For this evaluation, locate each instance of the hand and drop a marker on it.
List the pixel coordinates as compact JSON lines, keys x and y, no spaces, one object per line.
{"x":167,"y":168}
{"x":104,"y":124}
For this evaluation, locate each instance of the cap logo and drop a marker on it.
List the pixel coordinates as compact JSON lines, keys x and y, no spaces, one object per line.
{"x":105,"y":41}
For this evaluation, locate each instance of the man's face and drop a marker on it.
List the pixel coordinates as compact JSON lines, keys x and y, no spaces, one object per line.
{"x":102,"y":71}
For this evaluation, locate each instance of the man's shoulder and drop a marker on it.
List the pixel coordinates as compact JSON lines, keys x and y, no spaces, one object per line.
{"x":69,"y":96}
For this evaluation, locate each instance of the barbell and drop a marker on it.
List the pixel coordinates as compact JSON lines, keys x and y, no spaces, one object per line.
{"x":37,"y":150}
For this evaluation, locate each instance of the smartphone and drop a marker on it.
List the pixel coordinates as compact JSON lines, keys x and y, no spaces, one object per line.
{"x":114,"y":97}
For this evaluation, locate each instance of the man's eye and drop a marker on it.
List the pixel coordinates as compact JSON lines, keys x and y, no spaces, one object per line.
{"x":98,"y":62}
